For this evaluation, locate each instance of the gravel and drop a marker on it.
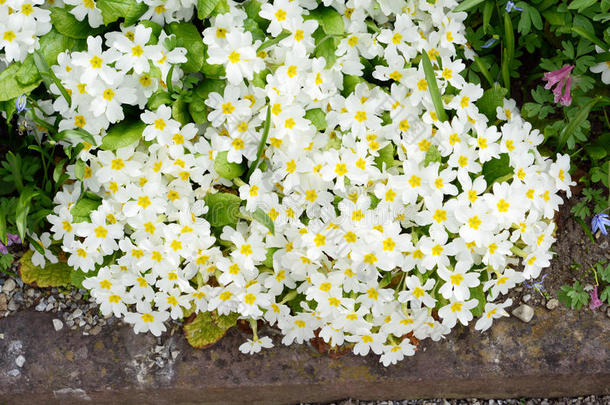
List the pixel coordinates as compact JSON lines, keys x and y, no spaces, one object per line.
{"x":73,"y":307}
{"x":592,"y":399}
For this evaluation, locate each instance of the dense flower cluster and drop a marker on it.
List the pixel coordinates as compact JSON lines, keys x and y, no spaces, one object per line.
{"x":21,"y":23}
{"x":386,"y":220}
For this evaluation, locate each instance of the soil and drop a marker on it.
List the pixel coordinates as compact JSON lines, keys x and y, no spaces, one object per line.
{"x":575,"y":254}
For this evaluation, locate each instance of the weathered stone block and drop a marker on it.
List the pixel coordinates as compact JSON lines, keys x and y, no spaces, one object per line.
{"x":560,"y":353}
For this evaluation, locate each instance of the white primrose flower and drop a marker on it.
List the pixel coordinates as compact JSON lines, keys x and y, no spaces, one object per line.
{"x":365,"y":214}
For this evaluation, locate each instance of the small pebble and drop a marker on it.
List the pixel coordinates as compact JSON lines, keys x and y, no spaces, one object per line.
{"x":57,"y":324}
{"x":9,"y":285}
{"x":608,"y":312}
{"x":95,"y":330}
{"x":552,"y":304}
{"x":526,"y":298}
{"x":20,"y":361}
{"x":524,"y":312}
{"x":41,"y":306}
{"x":14,"y":373}
{"x":3,"y":302}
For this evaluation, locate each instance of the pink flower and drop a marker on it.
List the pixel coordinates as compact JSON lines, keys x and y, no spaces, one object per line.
{"x":595,"y":301}
{"x":560,"y":78}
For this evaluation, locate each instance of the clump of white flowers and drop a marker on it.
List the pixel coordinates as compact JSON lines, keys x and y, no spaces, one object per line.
{"x":361,"y":215}
{"x":21,"y":23}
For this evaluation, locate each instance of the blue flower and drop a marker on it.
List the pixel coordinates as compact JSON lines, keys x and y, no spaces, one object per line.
{"x":489,"y":43}
{"x":21,"y":104}
{"x":599,"y":222}
{"x":511,"y":6}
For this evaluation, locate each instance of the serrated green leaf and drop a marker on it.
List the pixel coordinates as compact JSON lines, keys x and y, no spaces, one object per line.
{"x":317,"y":118}
{"x":188,"y":37}
{"x":202,"y":331}
{"x":269,"y":257}
{"x":10,"y":88}
{"x":226,"y":169}
{"x":492,"y":98}
{"x":329,"y":19}
{"x":180,"y":111}
{"x":83,"y":207}
{"x":52,"y":275}
{"x":123,"y":134}
{"x":205,"y":8}
{"x":386,"y":157}
{"x":225,"y":321}
{"x":223,"y":209}
{"x":130,"y":10}
{"x":66,"y":24}
{"x":432,"y":155}
{"x":157,"y":99}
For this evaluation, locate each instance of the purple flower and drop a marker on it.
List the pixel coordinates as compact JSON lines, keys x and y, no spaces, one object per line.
{"x":595,"y":301}
{"x":599,"y":222}
{"x":562,"y":81}
{"x":510,"y":6}
{"x":11,"y":239}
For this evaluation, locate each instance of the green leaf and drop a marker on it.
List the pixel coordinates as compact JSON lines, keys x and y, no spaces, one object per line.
{"x":386,"y":157}
{"x":349,"y":84}
{"x":262,"y":217}
{"x":180,"y":111}
{"x":497,"y":168}
{"x":284,"y":34}
{"x":226,"y":169}
{"x":492,"y":99}
{"x":605,"y":295}
{"x":554,"y":17}
{"x":75,"y":136}
{"x":223,"y":209}
{"x":66,"y":24}
{"x":205,"y":8}
{"x":52,"y":275}
{"x":582,"y":115}
{"x":48,"y":77}
{"x":23,"y":208}
{"x":509,"y":37}
{"x":51,"y":45}
{"x":269,"y":257}
{"x":10,"y":88}
{"x":122,"y":135}
{"x":77,"y":277}
{"x":83,"y":207}
{"x":157,"y":99}
{"x":3,"y":231}
{"x":317,"y":118}
{"x":326,"y":46}
{"x":261,"y":144}
{"x":188,"y":37}
{"x":483,"y":70}
{"x":329,"y":19}
{"x":478,"y":294}
{"x":433,"y":87}
{"x":130,"y":10}
{"x":581,"y":5}
{"x":467,"y":5}
{"x":432,"y":155}
{"x":202,"y":331}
